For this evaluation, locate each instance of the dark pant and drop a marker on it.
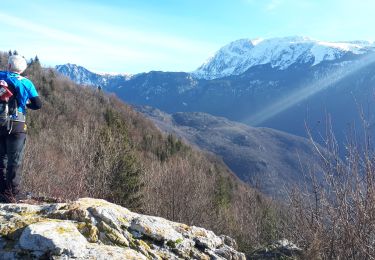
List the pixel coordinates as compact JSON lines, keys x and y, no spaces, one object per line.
{"x":12,"y":148}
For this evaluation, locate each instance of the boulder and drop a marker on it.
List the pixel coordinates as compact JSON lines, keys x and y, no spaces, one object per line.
{"x":96,"y":229}
{"x":282,"y":249}
{"x":55,"y":237}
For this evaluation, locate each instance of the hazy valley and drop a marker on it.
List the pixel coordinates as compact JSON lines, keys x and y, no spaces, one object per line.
{"x":272,"y":161}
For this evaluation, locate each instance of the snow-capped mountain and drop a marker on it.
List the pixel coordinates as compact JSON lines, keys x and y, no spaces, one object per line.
{"x":281,"y":53}
{"x":83,"y":76}
{"x":279,"y":83}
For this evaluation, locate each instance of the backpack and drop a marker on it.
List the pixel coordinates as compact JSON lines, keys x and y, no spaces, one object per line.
{"x":8,"y":103}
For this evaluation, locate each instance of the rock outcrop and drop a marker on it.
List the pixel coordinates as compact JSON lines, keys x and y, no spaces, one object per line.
{"x":282,"y":249}
{"x":96,"y":229}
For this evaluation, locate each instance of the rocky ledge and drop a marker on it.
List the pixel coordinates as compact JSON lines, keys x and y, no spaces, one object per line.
{"x":96,"y":229}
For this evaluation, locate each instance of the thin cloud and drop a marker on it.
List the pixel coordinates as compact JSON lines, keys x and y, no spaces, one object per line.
{"x":119,"y":45}
{"x":274,"y":4}
{"x":247,"y":1}
{"x":39,"y":29}
{"x":155,"y":39}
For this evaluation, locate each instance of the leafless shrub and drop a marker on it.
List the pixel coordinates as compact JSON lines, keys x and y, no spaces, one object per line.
{"x":335,"y":217}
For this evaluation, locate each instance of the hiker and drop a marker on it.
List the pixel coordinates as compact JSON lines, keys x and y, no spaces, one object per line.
{"x":13,"y":132}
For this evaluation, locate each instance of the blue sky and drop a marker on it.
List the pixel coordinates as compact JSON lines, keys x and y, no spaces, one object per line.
{"x":132,"y":36}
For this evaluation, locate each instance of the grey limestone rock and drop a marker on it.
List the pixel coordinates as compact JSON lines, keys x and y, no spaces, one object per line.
{"x":96,"y":229}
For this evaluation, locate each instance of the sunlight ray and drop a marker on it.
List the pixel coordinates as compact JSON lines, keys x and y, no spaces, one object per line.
{"x":301,"y":94}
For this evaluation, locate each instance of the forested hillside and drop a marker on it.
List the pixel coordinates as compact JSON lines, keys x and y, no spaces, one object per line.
{"x":85,"y":143}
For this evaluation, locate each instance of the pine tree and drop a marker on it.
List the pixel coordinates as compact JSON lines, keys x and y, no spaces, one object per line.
{"x":126,"y":185}
{"x":34,"y":68}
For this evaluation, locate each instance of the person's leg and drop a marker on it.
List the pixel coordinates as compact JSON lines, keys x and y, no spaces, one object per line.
{"x":3,"y":162}
{"x":15,"y":150}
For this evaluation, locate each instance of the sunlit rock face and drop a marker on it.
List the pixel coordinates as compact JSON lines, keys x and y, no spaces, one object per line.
{"x":96,"y":229}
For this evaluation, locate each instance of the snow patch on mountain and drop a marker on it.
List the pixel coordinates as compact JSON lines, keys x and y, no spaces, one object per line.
{"x":238,"y":56}
{"x":115,"y":74}
{"x":83,"y":76}
{"x":80,"y":74}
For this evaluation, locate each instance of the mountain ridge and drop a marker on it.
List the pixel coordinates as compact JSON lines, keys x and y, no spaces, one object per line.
{"x":83,"y":76}
{"x":238,"y":56}
{"x":271,"y":160}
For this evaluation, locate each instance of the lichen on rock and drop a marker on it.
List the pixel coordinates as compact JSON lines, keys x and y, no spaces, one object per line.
{"x":57,"y":238}
{"x":96,"y":229}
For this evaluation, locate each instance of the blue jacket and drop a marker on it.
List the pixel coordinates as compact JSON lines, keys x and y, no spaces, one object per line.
{"x":24,"y":87}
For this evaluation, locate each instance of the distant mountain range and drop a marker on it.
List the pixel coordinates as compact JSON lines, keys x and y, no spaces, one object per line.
{"x":271,"y":160}
{"x":282,"y":83}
